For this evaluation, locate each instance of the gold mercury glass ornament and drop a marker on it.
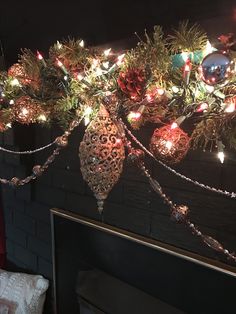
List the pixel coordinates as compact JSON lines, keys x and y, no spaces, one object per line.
{"x":101,"y":155}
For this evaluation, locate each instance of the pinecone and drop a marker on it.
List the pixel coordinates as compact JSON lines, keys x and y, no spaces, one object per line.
{"x":132,"y":83}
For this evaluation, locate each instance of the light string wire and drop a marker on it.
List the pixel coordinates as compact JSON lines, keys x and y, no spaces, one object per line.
{"x":181,"y":216}
{"x":195,"y":182}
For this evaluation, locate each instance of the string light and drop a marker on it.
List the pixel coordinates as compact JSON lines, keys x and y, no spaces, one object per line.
{"x":120,"y":59}
{"x":61,"y":65}
{"x":11,"y":102}
{"x":14,"y":82}
{"x":42,"y":117}
{"x":220,"y":154}
{"x":81,"y":43}
{"x":107,"y":52}
{"x":202,"y":107}
{"x":87,"y":112}
{"x":40,"y":57}
{"x":230,"y":107}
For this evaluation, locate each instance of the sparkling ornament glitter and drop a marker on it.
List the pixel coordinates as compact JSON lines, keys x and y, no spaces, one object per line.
{"x":179,"y":213}
{"x":26,"y":110}
{"x":216,"y":68}
{"x":169,"y":144}
{"x":101,"y":155}
{"x":17,"y":72}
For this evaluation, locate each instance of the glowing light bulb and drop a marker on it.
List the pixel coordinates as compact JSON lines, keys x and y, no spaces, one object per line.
{"x":174,"y":125}
{"x":81,"y":43}
{"x":221,"y":156}
{"x":107,"y":52}
{"x":168,"y":144}
{"x":65,"y":77}
{"x":24,"y":111}
{"x":120,"y":59}
{"x":42,"y":117}
{"x":230,"y":107}
{"x":11,"y":102}
{"x":209,"y":48}
{"x":59,"y":45}
{"x":160,"y":91}
{"x":88,"y":111}
{"x":134,"y":115}
{"x":39,"y":56}
{"x":106,"y":65}
{"x":185,"y":56}
{"x":9,"y":125}
{"x":59,"y":63}
{"x":80,"y":77}
{"x":14,"y":82}
{"x":2,"y":94}
{"x":175,"y":89}
{"x":202,"y":107}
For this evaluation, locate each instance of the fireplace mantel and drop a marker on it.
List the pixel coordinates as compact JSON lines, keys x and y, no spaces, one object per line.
{"x":183,"y":280}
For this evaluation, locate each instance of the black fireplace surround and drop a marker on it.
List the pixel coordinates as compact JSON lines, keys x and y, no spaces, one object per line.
{"x":101,"y":269}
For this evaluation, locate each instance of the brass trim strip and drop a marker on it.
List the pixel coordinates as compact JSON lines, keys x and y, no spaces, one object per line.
{"x":154,"y":244}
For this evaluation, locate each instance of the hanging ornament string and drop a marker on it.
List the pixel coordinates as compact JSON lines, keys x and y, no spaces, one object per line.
{"x":27,"y":152}
{"x":38,"y":170}
{"x":179,"y":213}
{"x":195,"y":182}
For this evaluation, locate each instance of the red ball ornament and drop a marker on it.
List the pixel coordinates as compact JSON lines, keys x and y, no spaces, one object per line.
{"x":169,"y":144}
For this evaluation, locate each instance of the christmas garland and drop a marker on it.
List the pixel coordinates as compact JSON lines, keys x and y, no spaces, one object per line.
{"x":167,"y":81}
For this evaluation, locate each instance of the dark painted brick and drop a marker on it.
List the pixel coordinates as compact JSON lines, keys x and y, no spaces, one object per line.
{"x":24,"y":192}
{"x":38,"y":211}
{"x":9,"y":137}
{"x":8,"y":193}
{"x":83,"y":205}
{"x":45,"y":268}
{"x":40,"y":247}
{"x":68,"y":180}
{"x":137,"y":195}
{"x":10,"y":247}
{"x":20,"y":171}
{"x":15,"y":234}
{"x":51,"y":196}
{"x":12,"y":159}
{"x":24,"y":222}
{"x":25,"y":256}
{"x":16,"y":205}
{"x":128,"y":218}
{"x":7,"y":171}
{"x":43,"y":232}
{"x":8,"y":214}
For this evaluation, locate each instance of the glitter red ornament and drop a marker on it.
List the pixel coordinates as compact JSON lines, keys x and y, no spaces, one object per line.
{"x":26,"y":110}
{"x":17,"y":71}
{"x":132,"y":83}
{"x":169,"y":144}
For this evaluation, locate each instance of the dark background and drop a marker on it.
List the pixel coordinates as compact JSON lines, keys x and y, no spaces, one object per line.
{"x":38,"y":24}
{"x":132,"y":205}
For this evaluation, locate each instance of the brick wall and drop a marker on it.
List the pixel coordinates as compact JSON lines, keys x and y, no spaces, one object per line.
{"x":132,"y":205}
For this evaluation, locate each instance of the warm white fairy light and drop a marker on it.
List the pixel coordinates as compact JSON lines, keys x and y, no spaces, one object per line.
{"x":24,"y":111}
{"x":65,"y":77}
{"x":168,"y":144}
{"x":11,"y":102}
{"x":208,"y":49}
{"x":175,"y":89}
{"x":9,"y":125}
{"x":14,"y":82}
{"x":106,"y":65}
{"x":107,"y":52}
{"x":230,"y":107}
{"x":120,"y":59}
{"x":81,"y":43}
{"x":59,"y":45}
{"x":42,"y":117}
{"x":221,"y":156}
{"x":87,"y":112}
{"x":80,"y":77}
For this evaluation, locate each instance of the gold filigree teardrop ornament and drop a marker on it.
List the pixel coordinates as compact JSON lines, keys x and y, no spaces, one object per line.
{"x":101,"y":155}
